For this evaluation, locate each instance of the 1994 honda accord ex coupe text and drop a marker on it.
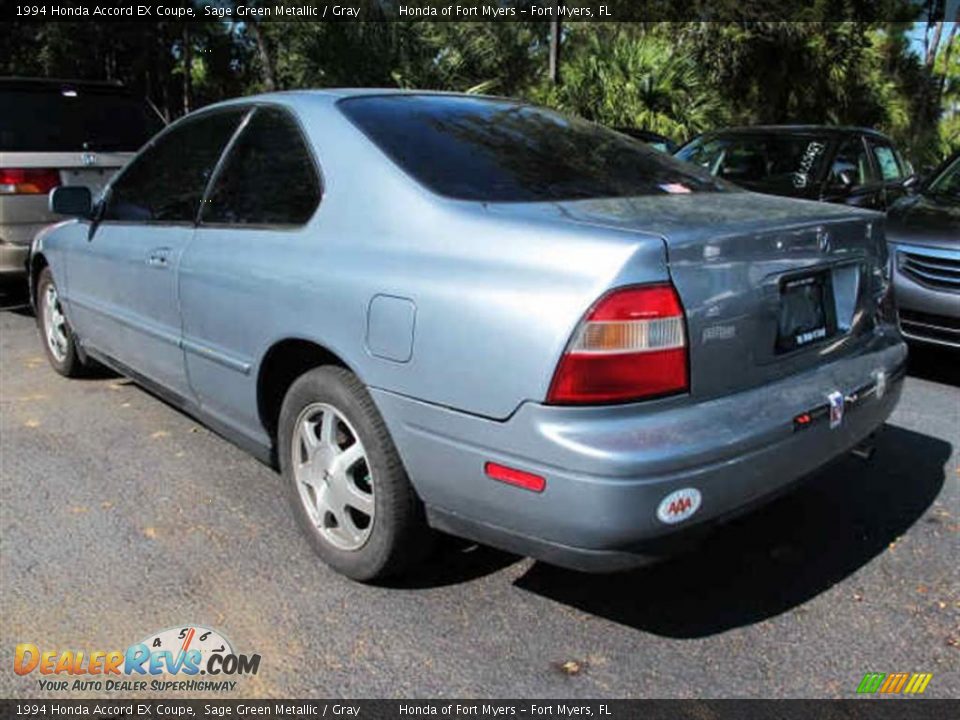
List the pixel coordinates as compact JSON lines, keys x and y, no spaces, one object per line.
{"x":471,"y":314}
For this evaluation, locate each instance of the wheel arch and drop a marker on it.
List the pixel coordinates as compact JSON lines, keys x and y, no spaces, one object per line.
{"x":283,"y":362}
{"x":37,"y":263}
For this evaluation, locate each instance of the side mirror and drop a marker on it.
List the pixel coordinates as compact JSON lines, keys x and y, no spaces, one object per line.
{"x":75,"y":201}
{"x":846,"y":179}
{"x":911,"y":183}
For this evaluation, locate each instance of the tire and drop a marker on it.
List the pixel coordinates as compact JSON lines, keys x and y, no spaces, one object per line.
{"x":354,"y":502}
{"x":59,"y":342}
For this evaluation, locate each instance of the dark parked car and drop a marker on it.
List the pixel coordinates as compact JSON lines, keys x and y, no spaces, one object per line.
{"x":847,"y":165}
{"x":654,"y":140}
{"x":924,"y":236}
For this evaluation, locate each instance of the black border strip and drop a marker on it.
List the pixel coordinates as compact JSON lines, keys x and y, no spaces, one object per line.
{"x":152,"y":11}
{"x":872,"y":708}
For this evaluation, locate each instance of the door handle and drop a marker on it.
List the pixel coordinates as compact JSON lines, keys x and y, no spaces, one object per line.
{"x":159,"y":257}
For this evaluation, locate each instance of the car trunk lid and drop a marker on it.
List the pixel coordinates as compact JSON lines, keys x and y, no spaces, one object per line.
{"x":750,"y":271}
{"x":22,"y":215}
{"x":87,"y":168}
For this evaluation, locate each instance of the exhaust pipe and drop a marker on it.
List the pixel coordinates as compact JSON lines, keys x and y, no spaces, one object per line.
{"x":866,"y":448}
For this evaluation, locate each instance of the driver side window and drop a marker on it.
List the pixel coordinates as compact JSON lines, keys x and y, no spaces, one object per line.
{"x":166,"y":182}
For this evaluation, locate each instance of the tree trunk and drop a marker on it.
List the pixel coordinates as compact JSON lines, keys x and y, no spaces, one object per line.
{"x":555,"y":36}
{"x":266,"y":62}
{"x":187,"y":69}
{"x":934,"y":44}
{"x":947,"y":52}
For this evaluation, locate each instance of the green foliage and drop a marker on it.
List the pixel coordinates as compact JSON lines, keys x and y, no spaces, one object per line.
{"x":642,"y":82}
{"x":499,"y":57}
{"x":948,"y":68}
{"x":677,"y":78}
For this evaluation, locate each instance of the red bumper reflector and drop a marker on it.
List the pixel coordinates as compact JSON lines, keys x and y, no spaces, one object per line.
{"x":511,"y":476}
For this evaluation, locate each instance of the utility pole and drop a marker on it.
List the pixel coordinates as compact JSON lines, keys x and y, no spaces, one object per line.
{"x":555,"y":35}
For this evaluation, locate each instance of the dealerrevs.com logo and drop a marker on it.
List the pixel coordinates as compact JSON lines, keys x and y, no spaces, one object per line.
{"x":172,"y":659}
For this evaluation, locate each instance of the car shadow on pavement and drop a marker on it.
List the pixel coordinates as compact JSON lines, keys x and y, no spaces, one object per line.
{"x":775,"y":558}
{"x":936,"y":364}
{"x":452,"y":561}
{"x":15,"y":298}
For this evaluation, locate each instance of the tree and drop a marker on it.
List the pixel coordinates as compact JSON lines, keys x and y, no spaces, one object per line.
{"x":674,"y":77}
{"x":637,"y":81}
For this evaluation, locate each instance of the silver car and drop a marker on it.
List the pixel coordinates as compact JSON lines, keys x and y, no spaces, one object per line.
{"x":475,"y":315}
{"x":59,"y":132}
{"x":924,"y":238}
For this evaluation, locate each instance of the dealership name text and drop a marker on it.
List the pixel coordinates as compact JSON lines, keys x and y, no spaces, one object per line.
{"x":317,"y":11}
{"x":491,"y":710}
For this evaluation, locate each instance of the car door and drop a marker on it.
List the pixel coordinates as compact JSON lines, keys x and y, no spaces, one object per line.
{"x":853,"y":178}
{"x":123,"y":279}
{"x":240,"y":271}
{"x":892,"y":169}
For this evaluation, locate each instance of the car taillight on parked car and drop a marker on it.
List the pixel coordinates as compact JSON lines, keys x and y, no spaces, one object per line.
{"x":631,"y":345}
{"x":28,"y":181}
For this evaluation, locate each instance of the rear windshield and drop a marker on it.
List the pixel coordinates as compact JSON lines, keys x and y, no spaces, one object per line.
{"x":503,"y":151}
{"x":51,"y":120}
{"x":773,"y":162}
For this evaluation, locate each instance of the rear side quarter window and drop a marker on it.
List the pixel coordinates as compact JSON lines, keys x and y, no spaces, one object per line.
{"x":268,"y":176}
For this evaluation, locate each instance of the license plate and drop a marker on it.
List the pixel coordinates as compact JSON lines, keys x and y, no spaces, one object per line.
{"x":807,"y":314}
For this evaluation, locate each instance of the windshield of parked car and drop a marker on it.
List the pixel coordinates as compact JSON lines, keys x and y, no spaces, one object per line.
{"x":503,"y":151}
{"x":779,"y":163}
{"x":947,"y":183}
{"x":73,"y":119}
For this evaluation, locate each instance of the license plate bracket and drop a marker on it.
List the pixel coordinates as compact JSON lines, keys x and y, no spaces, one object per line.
{"x":807,"y":313}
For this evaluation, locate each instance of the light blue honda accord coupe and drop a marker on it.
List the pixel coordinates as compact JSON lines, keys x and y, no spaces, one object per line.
{"x":479,"y":316}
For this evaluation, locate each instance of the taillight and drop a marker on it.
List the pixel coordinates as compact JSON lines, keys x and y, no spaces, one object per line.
{"x":28,"y":181}
{"x":631,"y":345}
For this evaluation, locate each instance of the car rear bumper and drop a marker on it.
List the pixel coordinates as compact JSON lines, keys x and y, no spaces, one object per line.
{"x":608,"y":469}
{"x":23,"y":217}
{"x":13,"y":261}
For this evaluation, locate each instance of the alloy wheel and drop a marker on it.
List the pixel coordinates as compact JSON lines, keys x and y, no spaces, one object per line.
{"x":333,"y":476}
{"x":54,"y":324}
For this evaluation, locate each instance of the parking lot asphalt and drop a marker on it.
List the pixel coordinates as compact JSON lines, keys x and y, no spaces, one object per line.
{"x":121,"y":516}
